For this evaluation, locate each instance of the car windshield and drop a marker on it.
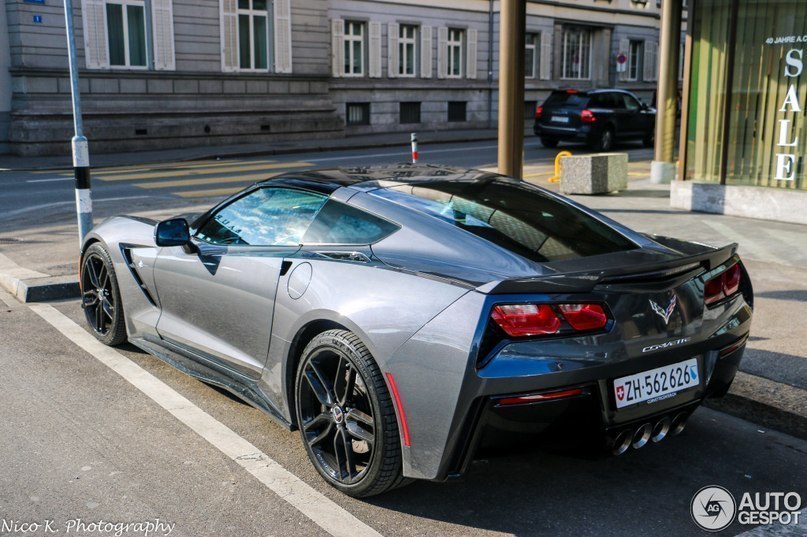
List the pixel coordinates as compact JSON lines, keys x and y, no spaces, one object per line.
{"x":564,"y":98}
{"x":513,"y":216}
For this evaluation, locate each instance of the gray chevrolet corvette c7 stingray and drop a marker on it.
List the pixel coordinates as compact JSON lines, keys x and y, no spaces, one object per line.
{"x":404,"y":317}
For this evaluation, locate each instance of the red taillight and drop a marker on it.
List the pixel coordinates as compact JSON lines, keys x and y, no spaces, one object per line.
{"x":520,"y":320}
{"x":536,"y":397}
{"x":731,"y":279}
{"x":539,"y":110}
{"x":722,"y":286}
{"x":587,"y":116}
{"x":584,"y":316}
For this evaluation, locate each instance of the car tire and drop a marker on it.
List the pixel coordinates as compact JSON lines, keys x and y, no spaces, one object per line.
{"x":548,"y":142}
{"x":100,"y":296}
{"x":605,"y":142}
{"x":346,"y":416}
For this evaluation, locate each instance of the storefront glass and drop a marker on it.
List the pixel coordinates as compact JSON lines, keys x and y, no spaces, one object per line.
{"x":765,"y":99}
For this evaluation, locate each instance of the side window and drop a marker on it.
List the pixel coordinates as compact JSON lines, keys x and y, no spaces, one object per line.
{"x":615,"y":101}
{"x":338,"y":223}
{"x":266,"y":217}
{"x":630,"y":103}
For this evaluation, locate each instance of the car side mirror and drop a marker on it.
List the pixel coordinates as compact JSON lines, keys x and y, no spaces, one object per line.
{"x":173,"y":232}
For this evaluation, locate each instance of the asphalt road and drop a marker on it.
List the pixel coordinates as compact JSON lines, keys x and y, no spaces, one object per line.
{"x":27,"y":196}
{"x":80,"y":442}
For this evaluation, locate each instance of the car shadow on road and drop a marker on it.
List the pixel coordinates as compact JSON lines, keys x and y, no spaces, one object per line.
{"x":645,"y":492}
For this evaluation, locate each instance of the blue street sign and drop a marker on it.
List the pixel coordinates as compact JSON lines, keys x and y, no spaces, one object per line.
{"x":35,"y":2}
{"x":37,"y":19}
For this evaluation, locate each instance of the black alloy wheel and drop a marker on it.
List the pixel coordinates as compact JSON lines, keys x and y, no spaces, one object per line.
{"x":346,"y":417}
{"x":100,"y":296}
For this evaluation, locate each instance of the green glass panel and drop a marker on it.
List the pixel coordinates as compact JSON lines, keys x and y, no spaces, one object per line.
{"x":259,"y":4}
{"x":136,"y":19}
{"x":768,"y":131}
{"x":261,"y":41}
{"x":114,"y":24}
{"x":244,"y":47}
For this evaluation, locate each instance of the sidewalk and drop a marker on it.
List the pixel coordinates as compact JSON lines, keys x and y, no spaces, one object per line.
{"x":398,"y":139}
{"x":40,"y":264}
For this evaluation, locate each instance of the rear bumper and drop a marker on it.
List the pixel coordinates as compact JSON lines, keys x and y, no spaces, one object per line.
{"x":590,"y":420}
{"x":584,"y":133}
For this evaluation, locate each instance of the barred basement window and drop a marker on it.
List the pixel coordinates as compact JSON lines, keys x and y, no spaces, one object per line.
{"x":358,"y":113}
{"x":410,"y":112}
{"x":456,"y":111}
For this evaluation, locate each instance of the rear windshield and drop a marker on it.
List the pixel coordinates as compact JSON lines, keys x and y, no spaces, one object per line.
{"x":513,"y":216}
{"x":562,"y":98}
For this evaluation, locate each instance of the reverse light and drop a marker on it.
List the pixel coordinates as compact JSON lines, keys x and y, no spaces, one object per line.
{"x":587,"y":116}
{"x":539,"y":110}
{"x":522,"y":320}
{"x":724,"y":285}
{"x":584,"y":316}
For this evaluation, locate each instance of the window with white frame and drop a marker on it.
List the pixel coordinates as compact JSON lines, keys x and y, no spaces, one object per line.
{"x":532,"y":55}
{"x":254,"y":35}
{"x":576,"y":54}
{"x":634,"y":57}
{"x":354,"y":48}
{"x":407,"y":47}
{"x":455,"y":52}
{"x":126,"y":33}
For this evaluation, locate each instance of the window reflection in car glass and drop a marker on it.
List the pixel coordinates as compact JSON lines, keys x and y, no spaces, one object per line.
{"x":338,"y":223}
{"x":265,"y":217}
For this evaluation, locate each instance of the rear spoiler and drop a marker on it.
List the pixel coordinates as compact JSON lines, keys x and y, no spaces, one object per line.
{"x":632,"y":266}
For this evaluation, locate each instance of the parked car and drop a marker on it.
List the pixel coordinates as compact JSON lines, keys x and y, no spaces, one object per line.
{"x":598,"y":118}
{"x":402,"y":316}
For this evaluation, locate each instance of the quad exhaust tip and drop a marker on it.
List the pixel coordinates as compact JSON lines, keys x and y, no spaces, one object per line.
{"x":648,"y":432}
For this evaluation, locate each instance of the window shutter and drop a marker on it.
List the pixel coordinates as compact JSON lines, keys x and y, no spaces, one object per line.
{"x":470,"y":57}
{"x":229,"y":35}
{"x":442,"y":52}
{"x":338,"y":47}
{"x":624,"y":48}
{"x":392,"y":49}
{"x":162,"y":16}
{"x":93,"y":15}
{"x":282,"y":36}
{"x":546,"y":55}
{"x":374,"y":54}
{"x":650,"y":61}
{"x":426,"y":51}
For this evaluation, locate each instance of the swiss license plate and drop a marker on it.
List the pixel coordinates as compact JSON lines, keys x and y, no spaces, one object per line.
{"x":656,"y":384}
{"x":560,"y":119}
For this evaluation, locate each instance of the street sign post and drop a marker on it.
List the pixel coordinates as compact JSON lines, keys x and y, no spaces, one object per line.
{"x":81,"y":155}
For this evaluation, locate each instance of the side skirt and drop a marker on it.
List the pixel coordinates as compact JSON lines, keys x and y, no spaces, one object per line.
{"x":246,"y":391}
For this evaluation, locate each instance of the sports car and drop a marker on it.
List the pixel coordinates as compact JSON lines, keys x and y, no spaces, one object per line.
{"x":403,"y":317}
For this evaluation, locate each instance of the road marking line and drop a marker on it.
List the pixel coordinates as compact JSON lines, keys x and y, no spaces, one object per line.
{"x":168,"y":166}
{"x":52,"y":180}
{"x":322,"y":511}
{"x":408,"y":155}
{"x":205,"y":181}
{"x":215,"y":192}
{"x":187,"y":173}
{"x":24,"y":210}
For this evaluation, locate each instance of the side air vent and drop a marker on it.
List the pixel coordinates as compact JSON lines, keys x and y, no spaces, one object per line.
{"x":127,"y":255}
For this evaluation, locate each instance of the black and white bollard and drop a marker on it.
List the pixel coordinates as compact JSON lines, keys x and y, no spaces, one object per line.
{"x":414,"y":139}
{"x":81,"y":172}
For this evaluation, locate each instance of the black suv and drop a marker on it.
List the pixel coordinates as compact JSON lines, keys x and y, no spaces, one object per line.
{"x":596,"y":117}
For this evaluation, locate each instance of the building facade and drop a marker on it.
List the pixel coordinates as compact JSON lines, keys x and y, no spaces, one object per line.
{"x":744,"y":134}
{"x":173,"y":73}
